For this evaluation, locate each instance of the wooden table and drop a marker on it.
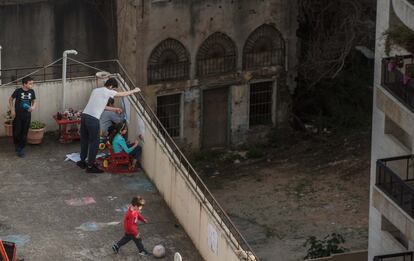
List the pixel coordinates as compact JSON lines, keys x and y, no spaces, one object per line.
{"x":67,"y":135}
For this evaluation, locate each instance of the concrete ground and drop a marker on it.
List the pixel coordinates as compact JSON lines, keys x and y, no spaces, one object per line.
{"x":53,"y":210}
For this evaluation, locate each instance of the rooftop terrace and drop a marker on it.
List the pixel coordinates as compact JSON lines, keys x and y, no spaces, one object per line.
{"x":54,"y":210}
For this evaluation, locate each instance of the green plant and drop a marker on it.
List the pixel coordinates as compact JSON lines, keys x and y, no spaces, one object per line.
{"x":325,"y":247}
{"x":255,"y":153}
{"x":37,"y":125}
{"x":400,"y":35}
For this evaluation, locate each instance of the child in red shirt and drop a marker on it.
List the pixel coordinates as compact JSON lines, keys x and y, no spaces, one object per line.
{"x":130,"y":226}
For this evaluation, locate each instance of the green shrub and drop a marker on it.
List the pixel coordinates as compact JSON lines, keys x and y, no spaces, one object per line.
{"x":400,"y":35}
{"x":325,"y":247}
{"x":255,"y":153}
{"x":37,"y":125}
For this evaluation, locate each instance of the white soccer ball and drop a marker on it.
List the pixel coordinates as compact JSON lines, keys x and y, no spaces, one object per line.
{"x":158,"y":251}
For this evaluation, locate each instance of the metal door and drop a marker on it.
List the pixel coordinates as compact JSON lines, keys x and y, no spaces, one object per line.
{"x":215,"y":118}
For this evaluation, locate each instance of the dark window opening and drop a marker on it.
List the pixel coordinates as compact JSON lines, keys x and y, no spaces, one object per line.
{"x":168,"y":111}
{"x":261,"y":103}
{"x":264,"y":47}
{"x":217,"y":55}
{"x":169,"y":61}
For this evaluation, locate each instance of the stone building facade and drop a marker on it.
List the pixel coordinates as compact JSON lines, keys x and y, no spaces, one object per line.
{"x":391,"y":211}
{"x":217,"y":72}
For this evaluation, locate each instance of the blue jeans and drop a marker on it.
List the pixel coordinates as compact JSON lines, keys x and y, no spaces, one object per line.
{"x":135,"y":153}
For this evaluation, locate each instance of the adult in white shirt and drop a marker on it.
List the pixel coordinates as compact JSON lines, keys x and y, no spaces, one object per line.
{"x":89,"y":130}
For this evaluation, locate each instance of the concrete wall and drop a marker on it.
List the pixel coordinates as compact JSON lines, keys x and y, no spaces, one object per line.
{"x":49,"y":98}
{"x":387,"y":142}
{"x":142,"y":25}
{"x":35,"y":33}
{"x":354,"y":256}
{"x":184,"y":198}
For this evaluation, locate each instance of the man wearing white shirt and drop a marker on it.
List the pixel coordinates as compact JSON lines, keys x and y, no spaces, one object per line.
{"x":89,"y":130}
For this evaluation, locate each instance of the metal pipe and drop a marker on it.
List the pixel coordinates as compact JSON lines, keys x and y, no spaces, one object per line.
{"x":64,"y":61}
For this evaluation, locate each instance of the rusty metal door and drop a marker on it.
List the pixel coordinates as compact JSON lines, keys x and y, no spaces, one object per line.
{"x":215,"y":118}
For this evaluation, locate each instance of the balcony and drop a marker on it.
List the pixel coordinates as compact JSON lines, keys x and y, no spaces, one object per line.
{"x":404,"y":9}
{"x":406,"y":256}
{"x":398,"y":78}
{"x":395,"y":178}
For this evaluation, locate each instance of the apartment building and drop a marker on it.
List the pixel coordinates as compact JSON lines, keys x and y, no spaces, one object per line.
{"x":391,"y":213}
{"x":216,"y":73}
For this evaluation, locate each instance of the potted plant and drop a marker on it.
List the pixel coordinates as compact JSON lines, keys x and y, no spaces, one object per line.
{"x":8,"y":124}
{"x":36,"y":132}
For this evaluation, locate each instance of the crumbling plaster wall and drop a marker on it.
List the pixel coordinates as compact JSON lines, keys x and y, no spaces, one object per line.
{"x":36,"y":32}
{"x":143,"y":24}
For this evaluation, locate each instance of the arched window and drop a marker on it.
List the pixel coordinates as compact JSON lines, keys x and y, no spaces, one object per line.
{"x":216,"y":55}
{"x":264,"y":47}
{"x":169,"y":61}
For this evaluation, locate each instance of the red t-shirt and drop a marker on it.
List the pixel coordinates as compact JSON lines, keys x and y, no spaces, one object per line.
{"x":131,"y":220}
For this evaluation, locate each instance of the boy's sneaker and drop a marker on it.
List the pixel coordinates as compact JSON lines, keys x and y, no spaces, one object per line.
{"x":115,"y":248}
{"x":81,"y":164}
{"x":93,"y":169}
{"x":144,"y":253}
{"x":20,"y":153}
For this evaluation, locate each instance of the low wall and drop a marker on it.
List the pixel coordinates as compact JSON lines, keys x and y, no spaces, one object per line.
{"x":354,"y":256}
{"x":49,"y":99}
{"x":184,"y":198}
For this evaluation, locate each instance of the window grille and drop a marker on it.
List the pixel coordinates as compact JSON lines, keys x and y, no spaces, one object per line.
{"x":217,"y":55}
{"x":169,"y":61}
{"x":264,"y":47}
{"x":168,"y":112}
{"x":261,"y":103}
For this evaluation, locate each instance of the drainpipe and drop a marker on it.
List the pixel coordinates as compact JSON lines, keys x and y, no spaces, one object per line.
{"x":64,"y":61}
{"x":0,"y":64}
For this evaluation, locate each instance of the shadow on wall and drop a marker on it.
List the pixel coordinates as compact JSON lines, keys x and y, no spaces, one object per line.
{"x":54,"y":26}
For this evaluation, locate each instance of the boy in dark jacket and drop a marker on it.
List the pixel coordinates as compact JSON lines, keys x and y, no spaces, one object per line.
{"x":131,"y":218}
{"x":22,"y":102}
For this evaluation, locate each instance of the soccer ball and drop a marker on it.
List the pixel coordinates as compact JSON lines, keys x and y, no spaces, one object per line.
{"x":158,"y":251}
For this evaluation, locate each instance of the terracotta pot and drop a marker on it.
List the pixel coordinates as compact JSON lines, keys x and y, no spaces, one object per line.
{"x":35,"y":136}
{"x":8,"y":129}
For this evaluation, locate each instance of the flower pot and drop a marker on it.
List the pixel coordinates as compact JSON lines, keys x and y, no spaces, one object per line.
{"x":8,"y":129}
{"x":35,"y":136}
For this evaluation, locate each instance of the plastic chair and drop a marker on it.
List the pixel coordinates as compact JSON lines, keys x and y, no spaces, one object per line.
{"x":8,"y":251}
{"x":116,"y":162}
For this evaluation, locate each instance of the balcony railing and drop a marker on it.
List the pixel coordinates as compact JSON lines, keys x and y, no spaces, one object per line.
{"x":396,"y":82}
{"x":395,"y":177}
{"x":406,"y":256}
{"x":54,"y":71}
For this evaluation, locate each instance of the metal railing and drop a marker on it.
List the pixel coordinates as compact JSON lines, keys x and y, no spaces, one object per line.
{"x":263,"y":59}
{"x":405,"y":256}
{"x":53,"y":72}
{"x":168,"y":72}
{"x":393,"y":177}
{"x":393,"y":81}
{"x":216,"y":65}
{"x":176,"y":155}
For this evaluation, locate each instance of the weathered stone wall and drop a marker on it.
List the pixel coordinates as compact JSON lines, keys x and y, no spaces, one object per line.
{"x":35,"y":33}
{"x":142,"y":25}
